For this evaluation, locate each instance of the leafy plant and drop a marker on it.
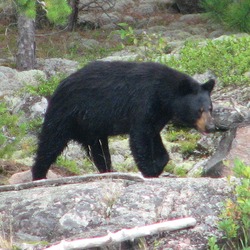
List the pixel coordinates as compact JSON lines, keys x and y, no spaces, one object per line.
{"x":228,"y":59}
{"x":186,"y":140}
{"x":212,"y":244}
{"x":12,"y":130}
{"x":45,"y":87}
{"x":148,"y":45}
{"x":69,"y":164}
{"x":235,"y":218}
{"x":56,"y":10}
{"x":233,"y":14}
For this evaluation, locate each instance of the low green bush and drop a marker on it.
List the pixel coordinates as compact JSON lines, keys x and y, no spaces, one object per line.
{"x":235,"y":218}
{"x":227,"y":58}
{"x":233,"y":14}
{"x":12,"y":130}
{"x":45,"y":87}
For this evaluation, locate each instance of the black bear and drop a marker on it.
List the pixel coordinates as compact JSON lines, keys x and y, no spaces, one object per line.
{"x":112,"y":98}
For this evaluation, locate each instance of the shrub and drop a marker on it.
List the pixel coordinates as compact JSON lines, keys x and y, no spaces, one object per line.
{"x":12,"y":130}
{"x":235,"y":218}
{"x":228,"y":59}
{"x":233,"y":14}
{"x":45,"y":87}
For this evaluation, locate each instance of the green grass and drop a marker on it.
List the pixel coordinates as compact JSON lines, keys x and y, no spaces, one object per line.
{"x":69,"y":164}
{"x":187,"y":141}
{"x":45,"y":87}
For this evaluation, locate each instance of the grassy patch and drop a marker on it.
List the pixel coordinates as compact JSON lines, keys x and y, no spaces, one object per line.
{"x":187,"y":141}
{"x":45,"y":87}
{"x":228,"y":59}
{"x":68,"y":164}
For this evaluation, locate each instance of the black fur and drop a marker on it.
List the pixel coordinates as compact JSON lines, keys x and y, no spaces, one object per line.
{"x":112,"y":98}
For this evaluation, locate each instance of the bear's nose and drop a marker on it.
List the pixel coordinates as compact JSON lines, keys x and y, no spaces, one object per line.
{"x":210,"y":127}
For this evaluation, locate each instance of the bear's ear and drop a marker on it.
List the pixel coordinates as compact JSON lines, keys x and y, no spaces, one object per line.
{"x":209,"y":85}
{"x":187,"y":87}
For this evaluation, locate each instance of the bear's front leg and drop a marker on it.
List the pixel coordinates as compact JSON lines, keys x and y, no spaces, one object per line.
{"x":149,"y":152}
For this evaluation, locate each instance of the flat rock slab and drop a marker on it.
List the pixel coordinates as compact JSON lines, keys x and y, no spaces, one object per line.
{"x":240,"y":146}
{"x":98,"y":205}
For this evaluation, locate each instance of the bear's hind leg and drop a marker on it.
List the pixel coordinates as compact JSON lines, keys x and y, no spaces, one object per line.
{"x":99,"y":151}
{"x":149,"y":152}
{"x":50,"y":147}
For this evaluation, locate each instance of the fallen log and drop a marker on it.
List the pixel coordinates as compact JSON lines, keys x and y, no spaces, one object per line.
{"x":125,"y":234}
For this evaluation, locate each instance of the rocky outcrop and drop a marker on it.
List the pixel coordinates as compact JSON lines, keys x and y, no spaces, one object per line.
{"x":92,"y":205}
{"x":233,"y":145}
{"x":13,"y":80}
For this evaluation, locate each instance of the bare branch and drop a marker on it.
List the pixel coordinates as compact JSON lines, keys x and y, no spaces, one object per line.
{"x":125,"y":234}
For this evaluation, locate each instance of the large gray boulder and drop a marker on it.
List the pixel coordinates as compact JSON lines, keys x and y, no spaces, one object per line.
{"x":92,"y":205}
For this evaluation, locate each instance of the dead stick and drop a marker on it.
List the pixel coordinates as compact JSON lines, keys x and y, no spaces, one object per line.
{"x":124,"y":234}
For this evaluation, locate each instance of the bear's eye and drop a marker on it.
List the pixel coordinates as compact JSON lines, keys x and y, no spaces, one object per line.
{"x":201,"y":110}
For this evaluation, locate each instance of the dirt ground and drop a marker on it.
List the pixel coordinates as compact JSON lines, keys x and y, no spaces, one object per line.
{"x":10,"y":167}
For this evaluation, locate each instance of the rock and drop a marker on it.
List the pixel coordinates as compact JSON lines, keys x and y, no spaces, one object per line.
{"x":240,"y":147}
{"x":26,"y":176}
{"x":32,"y":106}
{"x":31,"y":77}
{"x":38,"y":109}
{"x":109,"y":18}
{"x":9,"y":82}
{"x":144,"y":9}
{"x":188,"y":6}
{"x":191,"y":18}
{"x":122,"y":5}
{"x":54,"y":66}
{"x":53,"y":211}
{"x":121,"y":56}
{"x":204,"y":77}
{"x":234,"y":144}
{"x":12,"y":80}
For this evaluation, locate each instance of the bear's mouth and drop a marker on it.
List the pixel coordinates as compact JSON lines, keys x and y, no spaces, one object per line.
{"x":205,"y":124}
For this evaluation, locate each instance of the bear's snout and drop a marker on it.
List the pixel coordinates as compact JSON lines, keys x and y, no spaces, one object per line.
{"x":205,"y":124}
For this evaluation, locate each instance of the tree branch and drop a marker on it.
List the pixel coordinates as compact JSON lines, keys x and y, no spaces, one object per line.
{"x":125,"y":234}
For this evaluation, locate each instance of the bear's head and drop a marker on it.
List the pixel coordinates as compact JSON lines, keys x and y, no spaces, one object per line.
{"x":193,"y":107}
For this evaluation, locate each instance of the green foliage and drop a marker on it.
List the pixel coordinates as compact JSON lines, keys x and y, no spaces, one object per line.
{"x":45,"y":87}
{"x":233,"y":14}
{"x":69,"y":164}
{"x":28,"y":7}
{"x":228,"y":59}
{"x":56,"y":10}
{"x":235,"y":218}
{"x":186,"y":140}
{"x":148,"y":45}
{"x":11,"y":131}
{"x":215,"y":8}
{"x":34,"y":125}
{"x":212,"y":244}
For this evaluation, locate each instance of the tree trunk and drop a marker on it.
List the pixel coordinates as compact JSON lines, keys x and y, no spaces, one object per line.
{"x":74,"y":14}
{"x":25,"y":58}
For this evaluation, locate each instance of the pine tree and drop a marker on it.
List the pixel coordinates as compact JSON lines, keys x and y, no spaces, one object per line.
{"x":57,"y":12}
{"x":233,"y":14}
